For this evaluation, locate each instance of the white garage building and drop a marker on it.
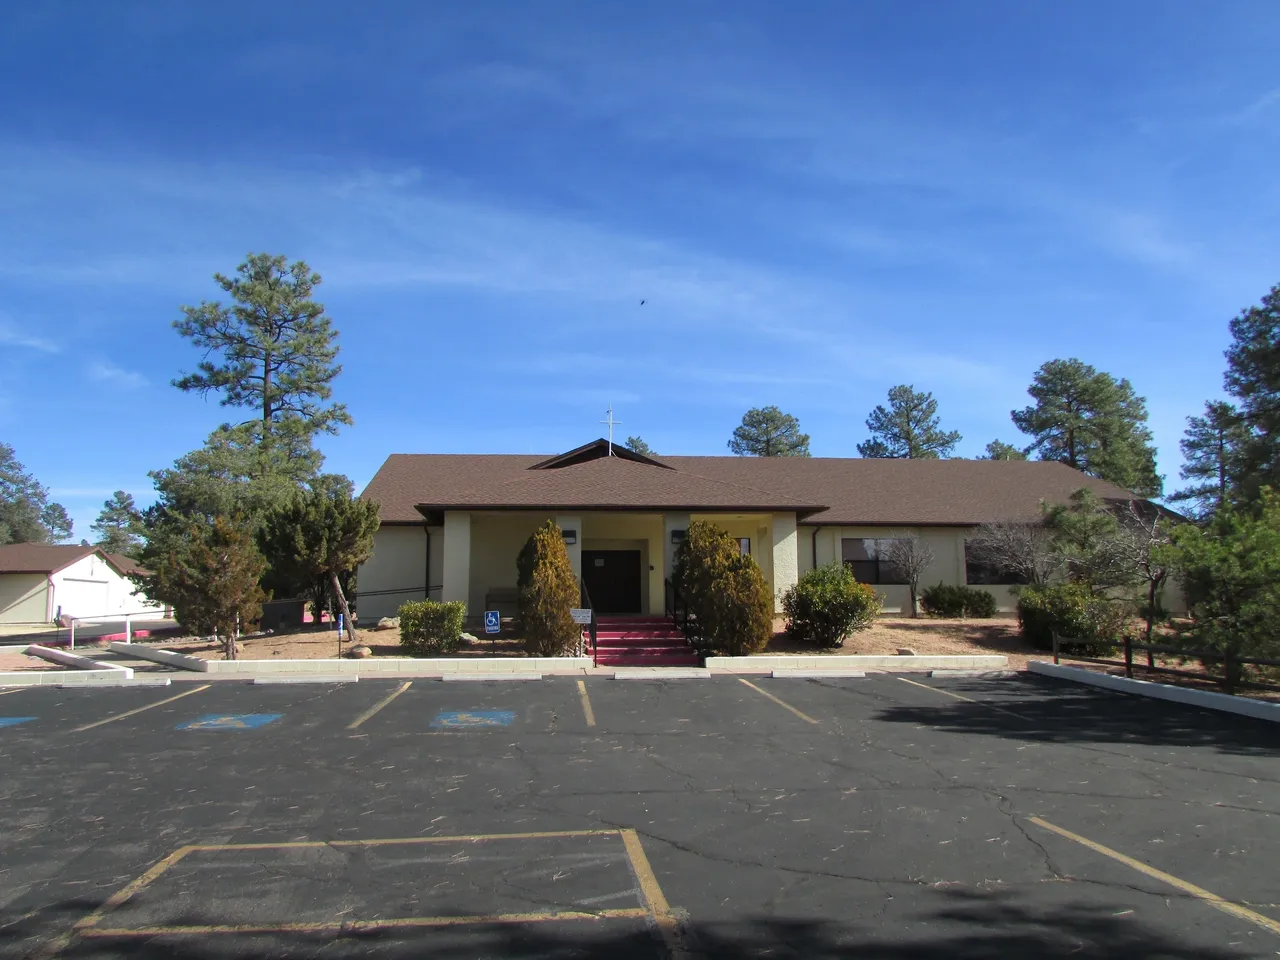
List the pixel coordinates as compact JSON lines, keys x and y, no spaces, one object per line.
{"x":40,"y":582}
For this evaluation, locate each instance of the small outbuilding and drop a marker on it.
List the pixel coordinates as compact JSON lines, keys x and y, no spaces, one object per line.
{"x":40,"y":582}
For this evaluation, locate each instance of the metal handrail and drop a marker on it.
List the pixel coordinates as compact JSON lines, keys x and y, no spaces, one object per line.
{"x":584,"y":597}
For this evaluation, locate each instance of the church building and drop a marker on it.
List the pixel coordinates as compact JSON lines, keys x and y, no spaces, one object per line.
{"x":452,"y":524}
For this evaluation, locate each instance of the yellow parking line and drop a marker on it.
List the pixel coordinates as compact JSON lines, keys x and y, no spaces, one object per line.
{"x":1212,"y":899}
{"x":388,"y":841}
{"x":379,"y":705}
{"x":150,"y":706}
{"x":956,"y":696}
{"x":357,"y":926}
{"x":586,"y":704}
{"x":653,"y":896}
{"x":16,"y":690}
{"x":781,"y":703}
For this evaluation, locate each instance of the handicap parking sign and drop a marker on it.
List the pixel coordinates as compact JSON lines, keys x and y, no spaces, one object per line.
{"x":470,"y":719}
{"x":492,"y":621}
{"x":230,"y":721}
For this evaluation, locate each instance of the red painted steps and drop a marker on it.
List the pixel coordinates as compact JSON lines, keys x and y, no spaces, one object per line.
{"x":641,"y":642}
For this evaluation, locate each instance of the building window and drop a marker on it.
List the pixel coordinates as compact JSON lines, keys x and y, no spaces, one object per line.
{"x":744,"y":546}
{"x":866,"y":558}
{"x":977,"y":572}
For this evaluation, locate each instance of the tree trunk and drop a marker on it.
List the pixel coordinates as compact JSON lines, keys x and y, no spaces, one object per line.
{"x":1151,"y":620}
{"x":342,"y":604}
{"x":915,"y":602}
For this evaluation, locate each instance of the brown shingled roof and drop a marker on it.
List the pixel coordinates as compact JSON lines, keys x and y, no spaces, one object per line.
{"x":820,"y":490}
{"x":40,"y":557}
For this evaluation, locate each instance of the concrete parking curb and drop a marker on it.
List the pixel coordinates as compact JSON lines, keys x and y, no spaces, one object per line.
{"x":308,"y":679}
{"x":661,"y":673}
{"x":891,"y":664}
{"x":72,"y":678}
{"x":983,"y":674}
{"x":73,"y":660}
{"x":1257,"y":709}
{"x":462,"y":677}
{"x":816,"y":674}
{"x":371,"y":667}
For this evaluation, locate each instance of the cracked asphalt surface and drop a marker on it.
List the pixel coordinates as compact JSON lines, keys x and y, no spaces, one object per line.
{"x":899,"y":826}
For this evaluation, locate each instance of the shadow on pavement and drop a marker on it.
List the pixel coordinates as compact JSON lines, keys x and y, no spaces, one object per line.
{"x":967,"y":926}
{"x":1060,"y":712}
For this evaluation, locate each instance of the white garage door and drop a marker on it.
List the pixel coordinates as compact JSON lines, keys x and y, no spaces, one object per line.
{"x":82,"y":598}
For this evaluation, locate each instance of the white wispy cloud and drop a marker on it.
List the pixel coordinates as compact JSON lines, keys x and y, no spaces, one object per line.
{"x":13,"y":336}
{"x":111,"y":374}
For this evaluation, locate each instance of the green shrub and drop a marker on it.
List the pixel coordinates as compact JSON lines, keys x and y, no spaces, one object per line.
{"x":729,"y":602}
{"x":1073,"y":612}
{"x":949,"y":600}
{"x":428,"y":629}
{"x":827,"y":604}
{"x":548,"y":591}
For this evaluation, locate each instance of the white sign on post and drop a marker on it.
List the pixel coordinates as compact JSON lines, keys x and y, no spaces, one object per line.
{"x":580,"y":615}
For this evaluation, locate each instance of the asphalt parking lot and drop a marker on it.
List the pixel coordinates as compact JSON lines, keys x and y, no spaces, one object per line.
{"x":875,"y":817}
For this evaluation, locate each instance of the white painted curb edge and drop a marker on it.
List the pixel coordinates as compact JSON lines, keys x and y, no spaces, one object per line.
{"x":305,"y":679}
{"x":490,"y":676}
{"x":1161,"y":691}
{"x":816,"y":674}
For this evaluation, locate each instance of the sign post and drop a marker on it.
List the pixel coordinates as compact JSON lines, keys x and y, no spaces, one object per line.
{"x":493,"y":626}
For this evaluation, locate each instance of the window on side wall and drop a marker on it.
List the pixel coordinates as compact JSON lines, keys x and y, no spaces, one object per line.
{"x":744,"y":546}
{"x":866,"y":558}
{"x":985,"y":574}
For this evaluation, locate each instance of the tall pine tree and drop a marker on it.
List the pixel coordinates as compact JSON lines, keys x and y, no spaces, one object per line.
{"x":1211,"y":450}
{"x":1253,"y":378}
{"x":119,"y":524}
{"x":1093,"y":422}
{"x":26,"y":515}
{"x":768,"y":432}
{"x":909,"y":429}
{"x":272,"y":351}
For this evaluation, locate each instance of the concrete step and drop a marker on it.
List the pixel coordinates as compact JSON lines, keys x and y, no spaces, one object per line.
{"x":648,"y":651}
{"x":639,"y":636}
{"x":680,"y":660}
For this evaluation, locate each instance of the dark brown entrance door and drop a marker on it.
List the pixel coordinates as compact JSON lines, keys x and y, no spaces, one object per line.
{"x":613,"y":579}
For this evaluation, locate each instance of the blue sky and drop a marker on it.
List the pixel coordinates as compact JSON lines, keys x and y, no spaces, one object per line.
{"x":817,"y":201}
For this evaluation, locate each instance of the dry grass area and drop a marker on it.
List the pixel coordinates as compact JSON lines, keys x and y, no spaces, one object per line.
{"x":887,"y":635}
{"x":323,"y":644}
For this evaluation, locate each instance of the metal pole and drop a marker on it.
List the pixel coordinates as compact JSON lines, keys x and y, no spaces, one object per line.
{"x":1128,"y":656}
{"x":128,"y":629}
{"x":72,"y":644}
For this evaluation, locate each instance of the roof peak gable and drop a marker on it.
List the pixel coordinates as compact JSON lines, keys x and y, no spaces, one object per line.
{"x":596,"y":450}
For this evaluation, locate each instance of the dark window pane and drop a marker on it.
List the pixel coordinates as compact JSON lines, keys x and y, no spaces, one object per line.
{"x":864,"y":571}
{"x":853,"y":549}
{"x":976,"y":572}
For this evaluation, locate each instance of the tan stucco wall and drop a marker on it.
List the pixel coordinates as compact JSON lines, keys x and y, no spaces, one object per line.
{"x":24,"y":598}
{"x":398,"y":563}
{"x":947,"y":567}
{"x":496,"y":539}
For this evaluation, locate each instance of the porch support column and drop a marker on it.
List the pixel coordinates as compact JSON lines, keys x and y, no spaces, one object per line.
{"x":786,"y":558}
{"x":575,"y":549}
{"x":456,"y":579}
{"x":670,"y":523}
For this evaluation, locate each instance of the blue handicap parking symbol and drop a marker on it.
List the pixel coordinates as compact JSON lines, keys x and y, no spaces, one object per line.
{"x":230,"y":721}
{"x":14,"y":721}
{"x":493,"y":621}
{"x":469,"y":719}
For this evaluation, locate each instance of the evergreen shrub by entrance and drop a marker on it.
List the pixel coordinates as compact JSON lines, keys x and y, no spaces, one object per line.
{"x":729,"y":603}
{"x":548,"y":591}
{"x":827,"y":604}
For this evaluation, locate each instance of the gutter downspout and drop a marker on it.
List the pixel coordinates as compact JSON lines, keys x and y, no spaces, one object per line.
{"x":426,"y":566}
{"x":817,"y":528}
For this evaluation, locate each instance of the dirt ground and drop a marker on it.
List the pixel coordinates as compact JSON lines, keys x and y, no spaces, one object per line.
{"x":998,"y":636}
{"x":12,"y":661}
{"x":316,"y":645}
